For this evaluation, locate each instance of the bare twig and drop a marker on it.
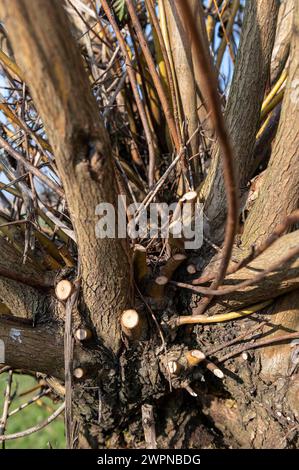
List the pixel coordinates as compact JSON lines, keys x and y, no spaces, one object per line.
{"x":133,"y":81}
{"x":152,"y":68}
{"x":6,"y":405}
{"x":148,"y":422}
{"x":256,"y":251}
{"x":294,"y":252}
{"x":36,"y":428}
{"x":35,"y":171}
{"x":29,"y":402}
{"x":259,"y":344}
{"x":157,"y":27}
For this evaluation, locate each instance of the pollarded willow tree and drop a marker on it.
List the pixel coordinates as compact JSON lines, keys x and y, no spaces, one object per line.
{"x":145,"y":342}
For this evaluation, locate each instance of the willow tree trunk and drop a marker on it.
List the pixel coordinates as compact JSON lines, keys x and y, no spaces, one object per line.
{"x":46,"y":52}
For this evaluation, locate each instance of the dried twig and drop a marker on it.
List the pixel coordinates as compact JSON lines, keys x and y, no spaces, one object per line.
{"x":33,"y":169}
{"x":257,"y":251}
{"x":36,"y":428}
{"x":29,"y":402}
{"x":6,"y":405}
{"x":148,"y":422}
{"x":259,"y":344}
{"x":133,"y":81}
{"x":156,"y":79}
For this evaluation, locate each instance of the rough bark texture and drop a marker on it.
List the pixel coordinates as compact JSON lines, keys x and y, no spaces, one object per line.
{"x":281,"y":180}
{"x":23,"y":300}
{"x":243,"y":108}
{"x":283,"y":36}
{"x":41,"y":348}
{"x":41,"y":37}
{"x":283,"y":280}
{"x":37,"y":349}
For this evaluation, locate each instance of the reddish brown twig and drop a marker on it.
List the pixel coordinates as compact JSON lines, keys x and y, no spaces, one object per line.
{"x":228,"y":290}
{"x":133,"y":82}
{"x":259,"y":344}
{"x":35,"y":171}
{"x":206,"y":72}
{"x":256,"y":251}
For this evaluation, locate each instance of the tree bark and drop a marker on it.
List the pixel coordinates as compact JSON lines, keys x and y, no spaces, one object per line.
{"x":18,"y":284}
{"x":45,"y":50}
{"x":284,"y":279}
{"x":281,"y":180}
{"x":37,"y":349}
{"x":282,"y":174}
{"x":243,"y":108}
{"x":282,"y":42}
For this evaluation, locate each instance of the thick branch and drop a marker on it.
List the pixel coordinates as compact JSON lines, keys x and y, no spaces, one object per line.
{"x":279,"y":194}
{"x":45,"y":50}
{"x":188,"y":81}
{"x":243,"y":107}
{"x":17,"y":281}
{"x":273,"y":285}
{"x":38,"y":349}
{"x":283,"y":36}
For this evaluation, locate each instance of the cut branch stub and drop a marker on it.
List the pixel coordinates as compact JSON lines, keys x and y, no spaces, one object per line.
{"x":83,"y":334}
{"x":191,"y":269}
{"x":172,"y":264}
{"x":214,"y":369}
{"x":174,"y":367}
{"x":79,"y":372}
{"x":175,"y":242}
{"x":132,"y":324}
{"x":194,"y":357}
{"x":156,"y":290}
{"x":139,"y":262}
{"x":64,"y":289}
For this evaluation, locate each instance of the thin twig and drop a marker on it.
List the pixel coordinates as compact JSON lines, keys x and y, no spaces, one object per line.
{"x":229,"y":290}
{"x":35,"y":171}
{"x":259,"y":344}
{"x":36,"y":428}
{"x":225,"y":35}
{"x":151,"y":195}
{"x":156,"y":79}
{"x":289,"y":220}
{"x":6,"y":405}
{"x":29,"y":402}
{"x":158,"y":30}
